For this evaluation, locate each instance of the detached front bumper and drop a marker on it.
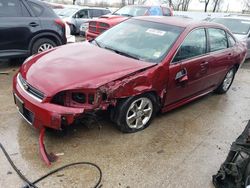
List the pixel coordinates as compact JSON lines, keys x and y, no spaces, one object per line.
{"x":43,"y":114}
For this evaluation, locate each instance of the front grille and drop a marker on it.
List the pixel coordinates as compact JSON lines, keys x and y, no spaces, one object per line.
{"x":98,"y":27}
{"x":28,"y":115}
{"x":30,"y":89}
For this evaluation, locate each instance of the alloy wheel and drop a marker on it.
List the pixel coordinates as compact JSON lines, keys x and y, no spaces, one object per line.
{"x":139,"y":113}
{"x":44,"y":47}
{"x":228,"y":80}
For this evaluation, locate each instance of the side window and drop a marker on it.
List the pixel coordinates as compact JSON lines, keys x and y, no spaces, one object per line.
{"x":166,"y":11}
{"x":231,"y":41}
{"x":218,"y":39}
{"x":10,"y":8}
{"x":105,"y":12}
{"x":96,"y":13}
{"x":82,"y":14}
{"x":36,"y":9}
{"x":193,"y":45}
{"x":155,"y":11}
{"x":25,"y":12}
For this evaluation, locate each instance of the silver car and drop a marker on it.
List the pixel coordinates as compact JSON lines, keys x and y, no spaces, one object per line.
{"x":75,"y":16}
{"x":240,"y":27}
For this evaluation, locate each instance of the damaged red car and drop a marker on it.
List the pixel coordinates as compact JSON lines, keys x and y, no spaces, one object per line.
{"x":134,"y":70}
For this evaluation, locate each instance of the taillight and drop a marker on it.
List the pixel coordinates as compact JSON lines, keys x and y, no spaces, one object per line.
{"x":60,"y":22}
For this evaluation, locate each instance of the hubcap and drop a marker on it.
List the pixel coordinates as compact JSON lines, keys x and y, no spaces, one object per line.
{"x":228,"y":80}
{"x":139,"y":113}
{"x":44,"y":47}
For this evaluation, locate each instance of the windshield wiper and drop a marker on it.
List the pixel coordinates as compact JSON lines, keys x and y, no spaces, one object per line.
{"x":122,"y":53}
{"x":127,"y":15}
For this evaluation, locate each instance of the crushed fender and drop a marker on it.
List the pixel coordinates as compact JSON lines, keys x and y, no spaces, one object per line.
{"x":47,"y":158}
{"x":235,"y":171}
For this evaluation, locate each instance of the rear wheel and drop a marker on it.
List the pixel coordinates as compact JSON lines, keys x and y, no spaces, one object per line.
{"x":136,"y":113}
{"x":227,"y":82}
{"x":42,"y":45}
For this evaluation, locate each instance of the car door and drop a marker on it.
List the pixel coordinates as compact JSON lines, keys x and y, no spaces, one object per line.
{"x":189,"y":72}
{"x":16,"y":27}
{"x":81,"y":17}
{"x":222,"y":53}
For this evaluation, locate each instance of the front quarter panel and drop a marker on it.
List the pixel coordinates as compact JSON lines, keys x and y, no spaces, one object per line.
{"x":153,"y":79}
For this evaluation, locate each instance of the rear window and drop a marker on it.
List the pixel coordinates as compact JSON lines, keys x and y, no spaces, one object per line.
{"x":96,"y":13}
{"x":166,"y":11}
{"x":9,"y":8}
{"x":36,"y":9}
{"x":218,"y":39}
{"x":131,"y":11}
{"x":231,"y":41}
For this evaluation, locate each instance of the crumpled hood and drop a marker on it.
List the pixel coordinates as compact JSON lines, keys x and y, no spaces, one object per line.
{"x":79,"y":65}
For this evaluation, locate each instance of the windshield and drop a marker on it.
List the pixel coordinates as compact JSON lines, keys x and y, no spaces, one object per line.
{"x":138,"y":39}
{"x":131,"y":11}
{"x":237,"y":26}
{"x":66,"y":12}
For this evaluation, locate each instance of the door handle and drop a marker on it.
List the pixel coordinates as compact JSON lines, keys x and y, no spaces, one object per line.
{"x":181,"y":76}
{"x":33,"y":24}
{"x":204,"y":64}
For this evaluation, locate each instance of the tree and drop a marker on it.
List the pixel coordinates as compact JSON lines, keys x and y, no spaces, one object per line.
{"x":74,"y":2}
{"x":206,"y":4}
{"x":181,"y":4}
{"x":247,"y":5}
{"x":217,"y":5}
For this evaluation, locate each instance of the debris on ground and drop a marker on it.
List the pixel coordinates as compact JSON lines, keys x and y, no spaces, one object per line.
{"x":235,"y":171}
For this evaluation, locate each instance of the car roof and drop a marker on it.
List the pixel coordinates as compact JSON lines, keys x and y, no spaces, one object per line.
{"x":180,"y":22}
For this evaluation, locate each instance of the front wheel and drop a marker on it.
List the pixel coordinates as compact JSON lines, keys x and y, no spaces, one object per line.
{"x":42,"y":45}
{"x":136,"y":113}
{"x":227,"y":82}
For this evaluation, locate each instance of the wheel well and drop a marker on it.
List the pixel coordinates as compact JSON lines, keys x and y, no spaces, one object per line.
{"x":54,"y":39}
{"x":51,"y":37}
{"x":237,"y":67}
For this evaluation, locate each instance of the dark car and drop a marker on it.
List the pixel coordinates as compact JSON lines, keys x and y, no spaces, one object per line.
{"x":28,"y":27}
{"x":133,"y":70}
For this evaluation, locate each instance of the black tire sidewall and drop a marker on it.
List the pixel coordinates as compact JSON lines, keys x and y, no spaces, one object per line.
{"x":220,"y":89}
{"x":123,"y":107}
{"x":40,"y":42}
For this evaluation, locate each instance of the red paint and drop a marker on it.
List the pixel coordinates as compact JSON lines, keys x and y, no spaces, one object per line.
{"x":110,"y":77}
{"x":112,"y":20}
{"x":42,"y":147}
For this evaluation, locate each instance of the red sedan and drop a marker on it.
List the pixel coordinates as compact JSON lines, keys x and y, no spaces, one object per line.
{"x":135,"y":69}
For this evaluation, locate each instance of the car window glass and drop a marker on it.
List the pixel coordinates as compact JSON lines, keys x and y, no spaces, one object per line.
{"x":166,"y":11}
{"x":106,"y":12}
{"x":25,"y":12}
{"x":144,"y":40}
{"x":96,"y":13}
{"x":9,"y":8}
{"x":155,"y":11}
{"x":231,"y":41}
{"x":36,"y":9}
{"x":218,"y":39}
{"x":193,"y":45}
{"x":83,"y":14}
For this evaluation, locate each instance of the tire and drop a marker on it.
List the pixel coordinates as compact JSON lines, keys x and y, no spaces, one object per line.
{"x":42,"y":44}
{"x":139,"y":119}
{"x":227,"y":82}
